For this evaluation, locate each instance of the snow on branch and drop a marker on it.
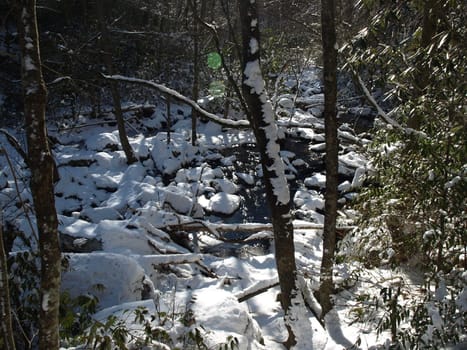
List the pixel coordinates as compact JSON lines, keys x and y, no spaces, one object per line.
{"x":172,"y":259}
{"x":256,"y":289}
{"x":198,"y":225}
{"x":386,"y":116}
{"x":239,"y":124}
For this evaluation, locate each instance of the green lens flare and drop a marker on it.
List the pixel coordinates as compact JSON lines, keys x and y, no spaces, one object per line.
{"x":217,"y":89}
{"x":214,"y":60}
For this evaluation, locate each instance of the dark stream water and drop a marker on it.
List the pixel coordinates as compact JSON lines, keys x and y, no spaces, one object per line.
{"x":253,"y":206}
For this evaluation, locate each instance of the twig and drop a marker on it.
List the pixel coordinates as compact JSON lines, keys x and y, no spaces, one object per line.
{"x":15,"y":144}
{"x":226,"y":68}
{"x":23,"y":205}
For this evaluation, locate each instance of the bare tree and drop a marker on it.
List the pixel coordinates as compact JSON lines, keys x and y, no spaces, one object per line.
{"x":106,"y":48}
{"x":41,"y":165}
{"x":261,"y":117}
{"x":328,"y":28}
{"x":197,"y":33}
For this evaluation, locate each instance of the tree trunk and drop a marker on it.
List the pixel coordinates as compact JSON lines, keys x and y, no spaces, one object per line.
{"x":261,"y":117}
{"x":198,"y":15}
{"x":41,"y":165}
{"x":7,"y":340}
{"x":196,"y":70}
{"x":106,"y":48}
{"x":431,"y":15}
{"x":328,"y":10}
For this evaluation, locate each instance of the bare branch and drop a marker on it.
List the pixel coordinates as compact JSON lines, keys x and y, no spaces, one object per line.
{"x":15,"y":144}
{"x":237,"y":124}
{"x":226,"y":68}
{"x":386,"y":116}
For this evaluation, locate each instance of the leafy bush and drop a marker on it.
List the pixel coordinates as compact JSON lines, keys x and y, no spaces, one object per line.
{"x":414,"y":209}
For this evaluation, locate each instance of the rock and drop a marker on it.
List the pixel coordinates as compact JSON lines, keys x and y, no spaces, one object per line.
{"x":113,"y":278}
{"x":71,"y":244}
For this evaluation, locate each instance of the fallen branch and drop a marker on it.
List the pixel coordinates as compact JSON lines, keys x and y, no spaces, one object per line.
{"x":92,"y":124}
{"x":199,"y":225}
{"x":386,"y":116}
{"x":177,"y":259}
{"x":171,"y":259}
{"x":238,"y":124}
{"x":256,"y":289}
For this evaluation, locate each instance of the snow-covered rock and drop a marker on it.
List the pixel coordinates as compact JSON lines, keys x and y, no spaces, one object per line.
{"x":112,"y":278}
{"x":359,"y":177}
{"x":103,"y":140}
{"x":226,"y":186}
{"x":171,"y":157}
{"x":249,"y":179}
{"x":114,"y":160}
{"x":317,"y":180}
{"x":219,"y":312}
{"x":105,"y":181}
{"x":221,"y":203}
{"x":308,"y":200}
{"x":179,"y":201}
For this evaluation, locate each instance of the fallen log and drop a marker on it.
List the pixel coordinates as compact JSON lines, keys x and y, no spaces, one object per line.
{"x":199,"y":225}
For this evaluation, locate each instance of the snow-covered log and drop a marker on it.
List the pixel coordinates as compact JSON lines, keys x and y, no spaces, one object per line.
{"x":256,"y":289}
{"x":171,"y":259}
{"x":199,"y":225}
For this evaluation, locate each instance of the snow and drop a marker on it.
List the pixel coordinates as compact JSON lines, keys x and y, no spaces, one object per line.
{"x":45,"y":301}
{"x":221,"y":202}
{"x":254,"y":79}
{"x":308,"y":200}
{"x":254,"y":46}
{"x":129,"y":209}
{"x":113,"y":278}
{"x":317,"y":180}
{"x":220,"y":312}
{"x":249,"y":179}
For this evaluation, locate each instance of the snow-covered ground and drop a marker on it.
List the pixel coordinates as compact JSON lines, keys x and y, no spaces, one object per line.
{"x":128,"y":228}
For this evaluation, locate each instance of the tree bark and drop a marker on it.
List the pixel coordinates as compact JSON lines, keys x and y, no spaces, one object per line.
{"x":41,"y":165}
{"x":328,"y":28}
{"x":261,"y":117}
{"x":7,"y":340}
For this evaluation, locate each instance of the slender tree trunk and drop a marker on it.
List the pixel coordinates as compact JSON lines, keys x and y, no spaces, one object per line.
{"x":169,"y":117}
{"x":431,"y":15}
{"x":328,"y":28}
{"x":196,"y":69}
{"x":7,"y":340}
{"x":106,"y":48}
{"x":195,"y":92}
{"x":41,"y":165}
{"x":261,"y":117}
